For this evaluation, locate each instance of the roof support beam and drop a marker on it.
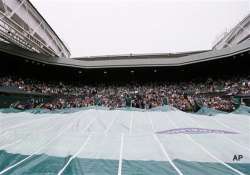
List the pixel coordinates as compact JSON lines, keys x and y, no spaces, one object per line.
{"x":245,"y":29}
{"x":17,"y":8}
{"x":34,"y":23}
{"x":36,"y":28}
{"x":2,"y":4}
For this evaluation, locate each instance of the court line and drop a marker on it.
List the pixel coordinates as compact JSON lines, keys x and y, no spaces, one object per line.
{"x":120,"y":155}
{"x":131,"y":123}
{"x":81,"y":148}
{"x":206,"y":151}
{"x":10,"y":144}
{"x":19,"y":125}
{"x":235,"y":130}
{"x":163,"y":148}
{"x":37,"y":151}
{"x":166,"y":154}
{"x":224,"y":125}
{"x":103,"y":139}
{"x":87,"y":127}
{"x":47,"y":120}
{"x":20,"y":140}
{"x":75,"y":155}
{"x":151,"y":123}
{"x":111,"y":124}
{"x":227,"y":138}
{"x":213,"y":156}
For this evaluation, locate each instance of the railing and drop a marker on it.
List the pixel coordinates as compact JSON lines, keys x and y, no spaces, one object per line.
{"x":13,"y":32}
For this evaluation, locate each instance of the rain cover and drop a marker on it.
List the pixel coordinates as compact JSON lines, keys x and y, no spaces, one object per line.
{"x":125,"y":142}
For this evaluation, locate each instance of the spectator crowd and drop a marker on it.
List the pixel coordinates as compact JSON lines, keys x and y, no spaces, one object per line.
{"x":212,"y":93}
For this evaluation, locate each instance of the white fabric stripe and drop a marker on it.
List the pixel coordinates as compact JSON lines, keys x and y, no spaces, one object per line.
{"x":230,"y":140}
{"x":226,"y":126}
{"x":120,"y":156}
{"x":88,"y":126}
{"x":10,"y":144}
{"x":81,"y":148}
{"x":40,"y":149}
{"x":19,"y":140}
{"x":235,"y":130}
{"x":166,"y":154}
{"x":131,"y":123}
{"x":111,"y":124}
{"x":162,"y":147}
{"x":19,"y":125}
{"x":151,"y":123}
{"x":206,"y":151}
{"x":213,"y":156}
{"x":75,"y":155}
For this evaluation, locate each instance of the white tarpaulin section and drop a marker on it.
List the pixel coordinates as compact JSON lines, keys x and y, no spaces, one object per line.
{"x":124,"y":142}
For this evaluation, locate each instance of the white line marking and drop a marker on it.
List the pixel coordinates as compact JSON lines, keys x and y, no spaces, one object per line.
{"x":206,"y":151}
{"x":120,"y":156}
{"x":111,"y":124}
{"x":75,"y":155}
{"x":227,"y":138}
{"x":166,"y":154}
{"x":224,"y":125}
{"x":81,"y":148}
{"x":20,"y":140}
{"x":19,"y":125}
{"x":87,"y":127}
{"x":151,"y":123}
{"x":37,"y":151}
{"x":10,"y":144}
{"x":213,"y":156}
{"x":131,"y":123}
{"x":162,"y":147}
{"x":235,"y":130}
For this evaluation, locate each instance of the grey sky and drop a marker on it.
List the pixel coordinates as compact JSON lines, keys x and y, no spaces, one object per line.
{"x":101,"y":27}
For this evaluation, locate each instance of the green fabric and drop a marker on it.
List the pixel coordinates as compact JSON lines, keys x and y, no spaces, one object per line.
{"x":49,"y":165}
{"x":165,"y":101}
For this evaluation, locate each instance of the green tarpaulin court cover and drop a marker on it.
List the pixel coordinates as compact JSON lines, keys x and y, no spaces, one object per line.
{"x":97,"y":141}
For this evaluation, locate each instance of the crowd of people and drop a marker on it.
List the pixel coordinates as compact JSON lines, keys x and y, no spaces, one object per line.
{"x":212,"y":93}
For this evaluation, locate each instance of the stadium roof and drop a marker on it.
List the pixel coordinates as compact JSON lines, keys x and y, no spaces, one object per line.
{"x":23,"y":25}
{"x":238,"y":34}
{"x":139,"y":56}
{"x":44,"y":20}
{"x":154,"y":60}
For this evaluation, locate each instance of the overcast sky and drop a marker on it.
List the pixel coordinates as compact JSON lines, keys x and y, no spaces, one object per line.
{"x":103,"y":27}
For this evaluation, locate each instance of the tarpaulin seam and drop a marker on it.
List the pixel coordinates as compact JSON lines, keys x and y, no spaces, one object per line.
{"x":75,"y":155}
{"x":37,"y":151}
{"x":206,"y":151}
{"x":111,"y":124}
{"x":120,"y":155}
{"x":163,"y":149}
{"x":166,"y":155}
{"x":131,"y":123}
{"x":230,"y":140}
